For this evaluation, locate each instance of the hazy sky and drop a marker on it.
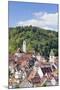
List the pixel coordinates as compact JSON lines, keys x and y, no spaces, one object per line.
{"x":35,"y":14}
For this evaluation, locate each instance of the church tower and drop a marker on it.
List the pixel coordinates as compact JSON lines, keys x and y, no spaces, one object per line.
{"x":51,"y":57}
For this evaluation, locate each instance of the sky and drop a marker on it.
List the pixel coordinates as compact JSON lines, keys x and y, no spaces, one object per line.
{"x":36,"y":14}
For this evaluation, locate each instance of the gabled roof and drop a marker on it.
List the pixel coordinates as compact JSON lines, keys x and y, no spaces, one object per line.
{"x":25,"y":84}
{"x":46,"y":70}
{"x":36,"y":79}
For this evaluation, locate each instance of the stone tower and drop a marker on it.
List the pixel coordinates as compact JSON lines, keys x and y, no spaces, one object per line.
{"x":24,"y":46}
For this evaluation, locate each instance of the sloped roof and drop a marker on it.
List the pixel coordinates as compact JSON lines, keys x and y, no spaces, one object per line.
{"x":25,"y":84}
{"x":46,"y":70}
{"x":36,"y":79}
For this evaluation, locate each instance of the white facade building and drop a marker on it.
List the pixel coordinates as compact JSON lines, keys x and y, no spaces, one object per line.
{"x":38,"y":70}
{"x":53,"y":81}
{"x":38,"y":57}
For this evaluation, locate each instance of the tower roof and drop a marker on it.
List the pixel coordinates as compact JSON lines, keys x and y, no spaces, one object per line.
{"x":51,"y":53}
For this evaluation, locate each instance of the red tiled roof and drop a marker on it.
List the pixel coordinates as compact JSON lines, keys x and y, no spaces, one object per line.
{"x":36,"y":79}
{"x":46,"y":70}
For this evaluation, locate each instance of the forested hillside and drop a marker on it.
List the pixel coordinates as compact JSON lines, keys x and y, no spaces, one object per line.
{"x":37,"y":39}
